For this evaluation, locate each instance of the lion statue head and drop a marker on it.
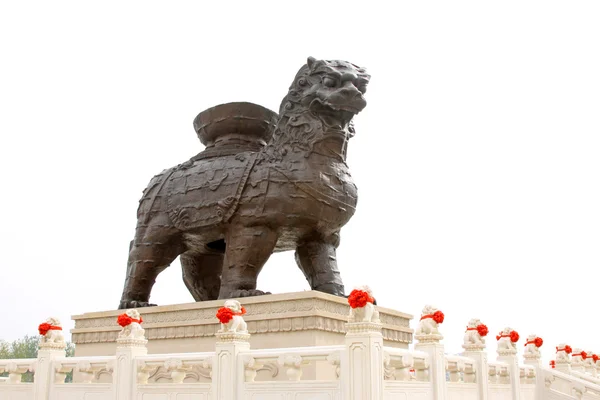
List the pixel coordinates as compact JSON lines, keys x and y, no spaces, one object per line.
{"x":233,"y":305}
{"x":133,"y":313}
{"x":322,"y":100}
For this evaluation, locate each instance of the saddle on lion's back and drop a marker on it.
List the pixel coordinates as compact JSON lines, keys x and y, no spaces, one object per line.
{"x":206,"y":189}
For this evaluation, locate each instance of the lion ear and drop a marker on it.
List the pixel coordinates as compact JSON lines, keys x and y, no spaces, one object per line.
{"x":310,"y":61}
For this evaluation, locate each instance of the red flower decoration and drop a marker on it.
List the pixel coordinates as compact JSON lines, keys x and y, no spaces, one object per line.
{"x":438,"y":317}
{"x":595,"y":357}
{"x":482,"y":330}
{"x":553,"y":364}
{"x":224,"y":314}
{"x":125,"y":320}
{"x":567,"y":349}
{"x":583,"y":355}
{"x":514,"y":336}
{"x":359,"y":298}
{"x":44,"y":328}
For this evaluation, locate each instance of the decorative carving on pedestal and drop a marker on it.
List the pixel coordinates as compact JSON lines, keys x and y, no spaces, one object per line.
{"x":361,"y":304}
{"x":335,"y":359}
{"x":52,"y":335}
{"x":293,"y":364}
{"x":132,"y":333}
{"x":507,"y":342}
{"x":474,"y":339}
{"x":427,"y":331}
{"x":230,"y":317}
{"x":189,"y":324}
{"x":532,"y":347}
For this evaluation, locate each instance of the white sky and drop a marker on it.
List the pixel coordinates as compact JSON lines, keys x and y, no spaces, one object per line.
{"x":477,"y":158}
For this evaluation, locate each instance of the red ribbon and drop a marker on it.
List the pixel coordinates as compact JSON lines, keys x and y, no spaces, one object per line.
{"x":481,"y":329}
{"x":45,"y":327}
{"x":514,"y":336}
{"x":553,"y":364}
{"x":583,"y":355}
{"x":125,"y":320}
{"x":437,"y":316}
{"x":567,"y":349}
{"x":537,"y":341}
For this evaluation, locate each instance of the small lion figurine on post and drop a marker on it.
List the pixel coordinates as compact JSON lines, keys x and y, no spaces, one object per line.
{"x":578,"y":358}
{"x":507,"y":341}
{"x":230,"y":317}
{"x":130,"y":322}
{"x":362,"y":307}
{"x":51,"y":332}
{"x":475,"y":335}
{"x":428,"y":330}
{"x":563,"y":352}
{"x":532,"y":347}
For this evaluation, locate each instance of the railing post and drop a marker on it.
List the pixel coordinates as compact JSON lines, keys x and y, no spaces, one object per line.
{"x":563,"y":359}
{"x":233,"y":338}
{"x":429,"y":338}
{"x":131,"y":343}
{"x":52,"y":347}
{"x":47,"y":353}
{"x":474,"y":345}
{"x":362,"y":361}
{"x":507,"y":353}
{"x":590,"y":363}
{"x":363,"y":364}
{"x":577,"y":361}
{"x":533,"y":356}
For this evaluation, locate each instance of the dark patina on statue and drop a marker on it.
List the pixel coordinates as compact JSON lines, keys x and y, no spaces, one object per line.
{"x":264,"y":183}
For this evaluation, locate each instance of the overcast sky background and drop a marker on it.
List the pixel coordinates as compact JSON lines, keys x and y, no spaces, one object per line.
{"x":477,"y":158}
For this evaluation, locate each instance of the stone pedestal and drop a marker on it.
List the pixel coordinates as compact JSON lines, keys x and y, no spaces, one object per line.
{"x":300,"y":319}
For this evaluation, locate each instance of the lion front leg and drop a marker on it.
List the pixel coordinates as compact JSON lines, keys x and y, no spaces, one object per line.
{"x":316,"y":258}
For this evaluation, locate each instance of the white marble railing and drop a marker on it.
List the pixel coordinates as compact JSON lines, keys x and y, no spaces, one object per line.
{"x":360,"y":369}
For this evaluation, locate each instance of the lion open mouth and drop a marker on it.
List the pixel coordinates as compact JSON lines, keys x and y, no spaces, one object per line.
{"x":334,"y":116}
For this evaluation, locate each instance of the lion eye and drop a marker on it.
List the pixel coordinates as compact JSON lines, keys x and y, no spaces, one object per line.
{"x":329,"y":82}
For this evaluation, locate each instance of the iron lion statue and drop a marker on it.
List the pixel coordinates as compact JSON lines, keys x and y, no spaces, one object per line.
{"x":264,"y":183}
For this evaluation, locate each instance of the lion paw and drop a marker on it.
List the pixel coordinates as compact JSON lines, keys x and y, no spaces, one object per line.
{"x":125,"y":304}
{"x":246,"y":293}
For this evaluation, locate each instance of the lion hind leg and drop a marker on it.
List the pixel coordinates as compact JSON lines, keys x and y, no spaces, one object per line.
{"x":316,"y":258}
{"x":202,"y":274}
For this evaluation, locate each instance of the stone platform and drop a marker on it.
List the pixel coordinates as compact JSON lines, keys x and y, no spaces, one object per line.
{"x":300,"y":319}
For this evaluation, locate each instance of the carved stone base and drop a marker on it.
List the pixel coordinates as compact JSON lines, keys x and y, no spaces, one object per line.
{"x":363,"y":327}
{"x":231,"y":337}
{"x":53,"y":346}
{"x":432,"y":338}
{"x":281,"y":320}
{"x":129,"y":342}
{"x":506,"y":352}
{"x":474,"y":347}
